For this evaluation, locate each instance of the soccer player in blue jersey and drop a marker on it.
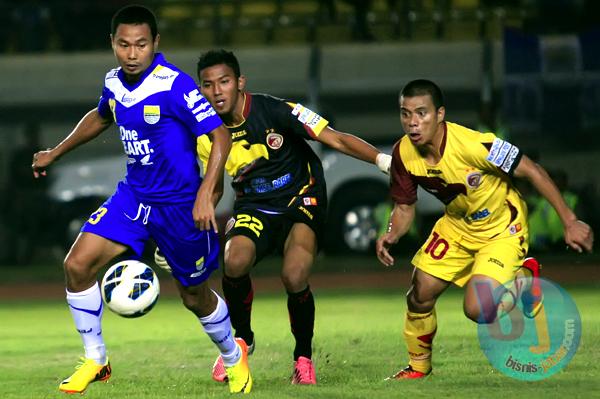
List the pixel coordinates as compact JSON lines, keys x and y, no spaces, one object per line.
{"x":159,"y":113}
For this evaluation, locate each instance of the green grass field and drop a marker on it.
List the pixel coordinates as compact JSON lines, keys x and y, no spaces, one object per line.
{"x":358,"y":342}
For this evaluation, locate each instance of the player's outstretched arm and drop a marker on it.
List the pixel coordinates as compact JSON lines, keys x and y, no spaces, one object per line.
{"x":90,"y":126}
{"x":208,"y":193}
{"x":355,"y":147}
{"x":400,"y":221}
{"x":578,"y":234}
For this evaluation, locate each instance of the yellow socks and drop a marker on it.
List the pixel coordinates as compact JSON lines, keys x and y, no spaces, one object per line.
{"x":419,"y":330}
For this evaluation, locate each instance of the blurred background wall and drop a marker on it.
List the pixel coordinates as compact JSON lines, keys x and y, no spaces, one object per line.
{"x":528,"y":70}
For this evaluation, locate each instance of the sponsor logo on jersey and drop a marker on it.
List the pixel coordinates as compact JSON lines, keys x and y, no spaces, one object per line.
{"x":503,"y":154}
{"x":309,"y":201}
{"x":482,"y":214}
{"x":192,"y":98}
{"x":282,"y":181}
{"x":306,"y":116}
{"x":236,"y":135}
{"x":162,"y":77}
{"x":146,"y":160}
{"x":496,"y":261}
{"x":206,"y":114}
{"x":515,"y":228}
{"x":151,"y":114}
{"x":134,"y":146}
{"x":306,"y":212}
{"x":274,"y":140}
{"x":510,"y":159}
{"x":474,"y":179}
{"x":125,"y":99}
{"x":261,"y":185}
{"x":314,"y":121}
{"x":434,"y":172}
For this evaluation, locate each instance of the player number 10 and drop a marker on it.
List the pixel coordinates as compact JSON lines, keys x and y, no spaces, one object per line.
{"x":437,"y":247}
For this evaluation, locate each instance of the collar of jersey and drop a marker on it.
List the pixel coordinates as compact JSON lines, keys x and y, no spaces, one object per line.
{"x":245,"y":109}
{"x":158,"y":59}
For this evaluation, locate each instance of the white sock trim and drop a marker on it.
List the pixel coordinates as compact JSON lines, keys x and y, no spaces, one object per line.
{"x":88,"y":291}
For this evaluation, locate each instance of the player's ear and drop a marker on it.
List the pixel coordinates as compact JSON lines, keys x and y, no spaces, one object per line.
{"x":156,"y":40}
{"x":241,"y":83}
{"x":441,"y":113}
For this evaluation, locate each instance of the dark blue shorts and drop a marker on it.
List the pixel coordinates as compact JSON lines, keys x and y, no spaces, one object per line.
{"x":192,"y":254}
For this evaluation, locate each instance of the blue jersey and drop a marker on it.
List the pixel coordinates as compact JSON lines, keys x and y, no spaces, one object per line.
{"x":159,"y":119}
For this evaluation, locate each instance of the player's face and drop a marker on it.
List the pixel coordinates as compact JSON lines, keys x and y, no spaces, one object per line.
{"x":222,"y":89}
{"x":420,"y":120}
{"x":134,"y":48}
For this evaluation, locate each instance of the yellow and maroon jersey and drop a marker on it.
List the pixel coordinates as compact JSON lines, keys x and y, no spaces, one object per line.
{"x":472,"y":179}
{"x":270,"y":161}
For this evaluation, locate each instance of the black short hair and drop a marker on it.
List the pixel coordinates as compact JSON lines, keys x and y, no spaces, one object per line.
{"x":423,"y":87}
{"x":216,"y":57}
{"x":135,"y":15}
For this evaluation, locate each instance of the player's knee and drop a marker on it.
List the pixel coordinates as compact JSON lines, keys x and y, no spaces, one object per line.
{"x":480,"y":313}
{"x":237,"y":263}
{"x":200,"y":303}
{"x":294,"y":280}
{"x":418,"y":302}
{"x":77,"y":270}
{"x":191,"y":303}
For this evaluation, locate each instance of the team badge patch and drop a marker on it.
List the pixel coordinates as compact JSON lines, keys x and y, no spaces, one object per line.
{"x":308,"y":201}
{"x":151,"y":114}
{"x":474,"y":179}
{"x":274,"y":140}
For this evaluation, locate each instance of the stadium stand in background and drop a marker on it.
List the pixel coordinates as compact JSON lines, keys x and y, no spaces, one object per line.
{"x":61,"y":25}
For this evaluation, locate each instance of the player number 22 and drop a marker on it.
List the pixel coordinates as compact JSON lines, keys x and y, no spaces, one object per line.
{"x":249,"y":222}
{"x":437,"y":247}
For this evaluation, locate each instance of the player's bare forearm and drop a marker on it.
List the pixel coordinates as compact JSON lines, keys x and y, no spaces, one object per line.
{"x":400,"y":221}
{"x":89,"y":127}
{"x":218,"y":192}
{"x":578,"y":235}
{"x":221,"y":144}
{"x":208,"y":193}
{"x":349,"y":144}
{"x":542,"y":182}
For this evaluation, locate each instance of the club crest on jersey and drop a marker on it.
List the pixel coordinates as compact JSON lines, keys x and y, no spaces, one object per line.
{"x":151,"y":114}
{"x":474,"y":179}
{"x":274,"y":140}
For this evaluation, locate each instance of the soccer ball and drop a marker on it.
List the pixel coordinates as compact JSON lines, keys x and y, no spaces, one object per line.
{"x":130,"y":288}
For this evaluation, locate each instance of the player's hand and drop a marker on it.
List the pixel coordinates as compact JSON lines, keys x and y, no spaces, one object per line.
{"x":41,"y":160}
{"x":204,"y":211}
{"x":579,"y":236}
{"x":161,"y":261}
{"x":382,"y":247}
{"x":384,"y":162}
